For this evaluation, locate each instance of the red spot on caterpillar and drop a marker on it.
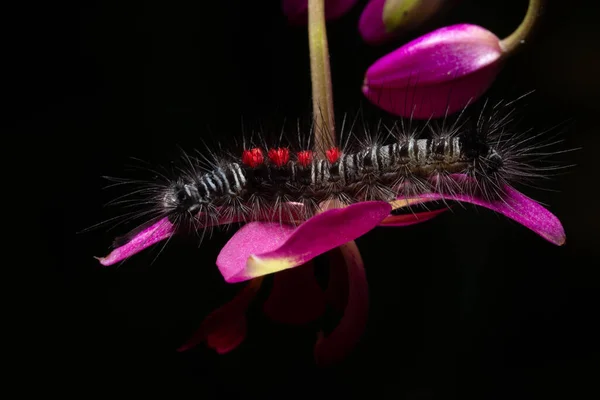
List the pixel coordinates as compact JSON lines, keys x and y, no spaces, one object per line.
{"x":333,"y":154}
{"x":253,"y":157}
{"x":305,"y":157}
{"x":279,"y":156}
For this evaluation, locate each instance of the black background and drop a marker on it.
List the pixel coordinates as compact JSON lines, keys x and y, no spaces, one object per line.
{"x":468,"y":304}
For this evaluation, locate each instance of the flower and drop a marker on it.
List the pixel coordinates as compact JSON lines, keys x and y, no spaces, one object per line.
{"x":296,"y":298}
{"x":383,"y":20}
{"x":466,"y":53}
{"x":438,"y":73}
{"x":297,"y":10}
{"x":262,"y":248}
{"x":443,"y":71}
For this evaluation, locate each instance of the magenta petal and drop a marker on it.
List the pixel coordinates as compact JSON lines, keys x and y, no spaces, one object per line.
{"x":163,"y":229}
{"x":252,"y":238}
{"x":296,"y":297}
{"x":371,"y":26}
{"x":439,"y":72}
{"x":411,"y":219}
{"x":153,"y":234}
{"x":260,"y":248}
{"x":297,"y":10}
{"x":334,"y":347}
{"x":516,"y":206}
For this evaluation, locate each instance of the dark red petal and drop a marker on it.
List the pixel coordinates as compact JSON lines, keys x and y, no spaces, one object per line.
{"x":334,"y":347}
{"x":370,"y":24}
{"x":225,"y":328}
{"x":411,"y":219}
{"x":229,"y":336}
{"x":297,"y":10}
{"x":296,"y":297}
{"x":337,"y":287}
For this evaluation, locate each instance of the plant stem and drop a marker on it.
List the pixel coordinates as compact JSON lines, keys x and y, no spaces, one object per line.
{"x":320,"y":74}
{"x":516,"y":39}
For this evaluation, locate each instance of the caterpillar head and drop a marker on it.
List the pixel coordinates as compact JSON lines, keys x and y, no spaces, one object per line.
{"x":487,"y":159}
{"x":493,"y":161}
{"x":183,"y":198}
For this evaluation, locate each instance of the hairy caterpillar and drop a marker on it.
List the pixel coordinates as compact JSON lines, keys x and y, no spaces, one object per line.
{"x":268,"y":183}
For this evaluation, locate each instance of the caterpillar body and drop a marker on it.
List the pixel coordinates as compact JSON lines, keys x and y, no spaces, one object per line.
{"x":379,"y":172}
{"x":262,"y":183}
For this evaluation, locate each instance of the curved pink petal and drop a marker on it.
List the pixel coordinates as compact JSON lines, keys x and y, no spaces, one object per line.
{"x":514,"y":205}
{"x":344,"y":338}
{"x":296,"y":297}
{"x":159,"y":231}
{"x":229,"y":337}
{"x":164,"y":229}
{"x":260,"y":248}
{"x":297,"y":10}
{"x":411,"y":219}
{"x":225,"y":328}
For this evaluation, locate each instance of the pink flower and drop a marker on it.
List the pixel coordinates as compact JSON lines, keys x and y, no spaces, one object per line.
{"x":262,"y":248}
{"x":441,"y":72}
{"x":297,"y":10}
{"x":437,"y":74}
{"x":384,"y":20}
{"x":296,"y":298}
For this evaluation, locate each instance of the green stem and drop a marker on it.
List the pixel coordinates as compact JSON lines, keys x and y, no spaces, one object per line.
{"x":516,"y":39}
{"x":320,"y":74}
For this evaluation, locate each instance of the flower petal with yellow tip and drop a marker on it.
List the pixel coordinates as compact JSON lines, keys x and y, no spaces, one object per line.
{"x":260,"y":248}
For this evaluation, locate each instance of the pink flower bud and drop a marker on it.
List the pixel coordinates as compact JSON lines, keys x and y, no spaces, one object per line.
{"x":297,"y":10}
{"x":437,"y":74}
{"x":383,"y":20}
